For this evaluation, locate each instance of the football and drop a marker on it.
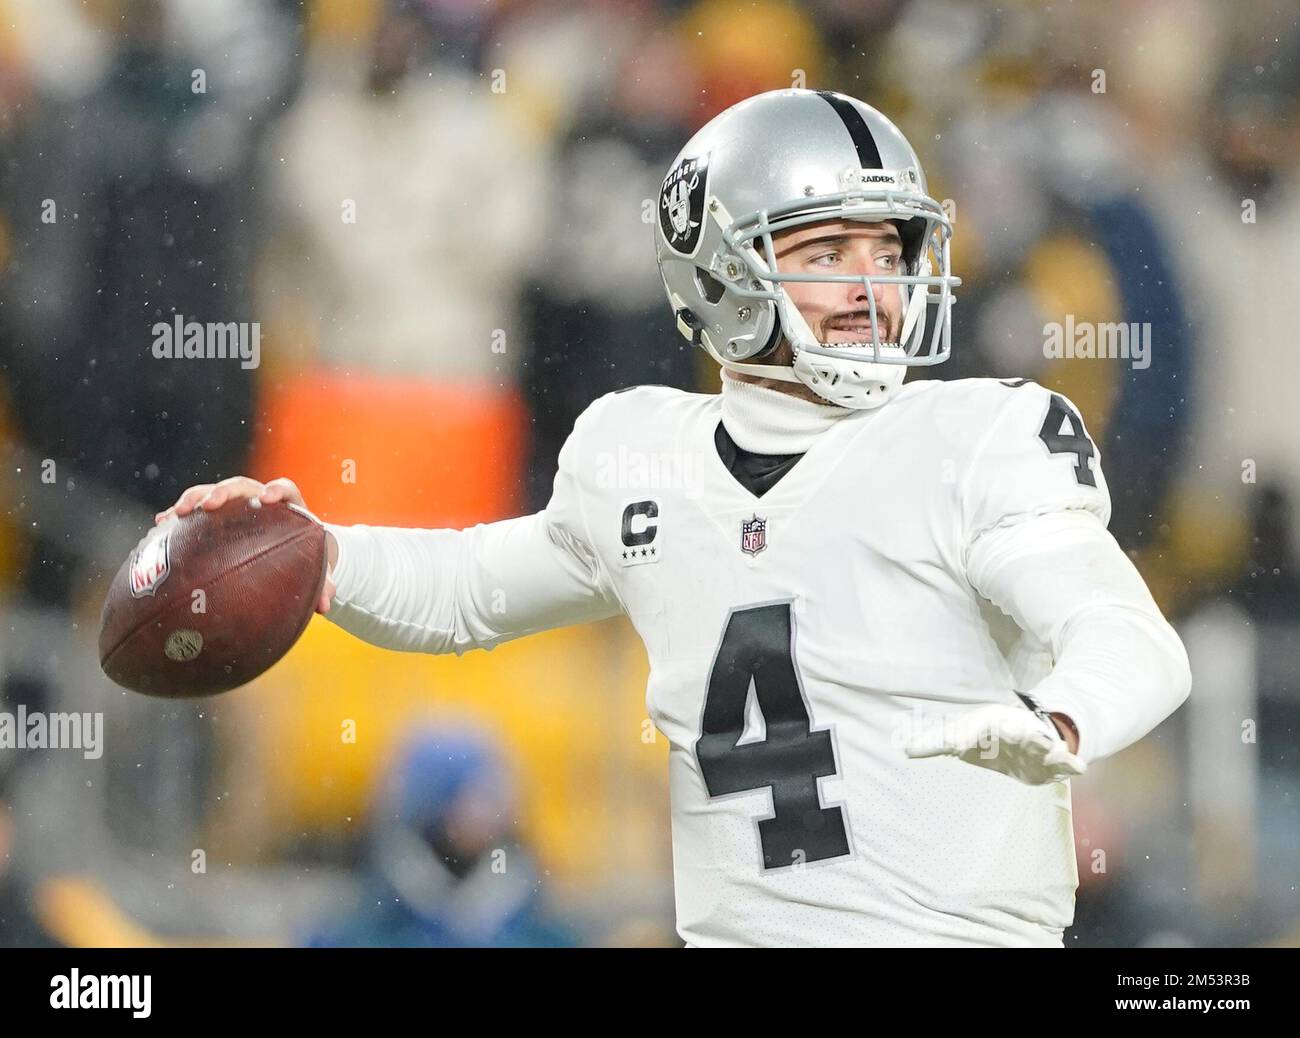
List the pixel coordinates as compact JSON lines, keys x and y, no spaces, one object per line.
{"x":206,"y":603}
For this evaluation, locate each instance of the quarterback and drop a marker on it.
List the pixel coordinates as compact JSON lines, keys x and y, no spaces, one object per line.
{"x":885,"y":622}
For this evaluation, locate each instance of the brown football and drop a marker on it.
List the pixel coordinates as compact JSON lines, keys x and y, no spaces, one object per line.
{"x":206,"y":603}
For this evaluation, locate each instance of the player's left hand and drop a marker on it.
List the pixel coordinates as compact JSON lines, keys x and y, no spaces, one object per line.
{"x":1009,"y":739}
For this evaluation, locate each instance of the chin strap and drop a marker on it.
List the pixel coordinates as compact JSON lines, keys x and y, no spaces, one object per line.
{"x":854,"y":382}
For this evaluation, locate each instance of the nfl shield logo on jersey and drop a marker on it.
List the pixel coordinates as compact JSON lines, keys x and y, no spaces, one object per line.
{"x":753,"y":535}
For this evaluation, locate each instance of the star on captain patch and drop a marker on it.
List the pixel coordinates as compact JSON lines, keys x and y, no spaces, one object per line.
{"x":639,"y":530}
{"x":753,"y":535}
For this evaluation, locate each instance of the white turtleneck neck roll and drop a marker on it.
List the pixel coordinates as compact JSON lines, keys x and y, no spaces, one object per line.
{"x":767,"y":421}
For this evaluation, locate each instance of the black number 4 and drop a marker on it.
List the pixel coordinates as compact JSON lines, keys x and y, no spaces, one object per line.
{"x":758,"y":648}
{"x":1075,"y":442}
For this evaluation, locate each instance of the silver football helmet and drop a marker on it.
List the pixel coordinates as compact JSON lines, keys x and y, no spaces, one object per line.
{"x":781,"y":160}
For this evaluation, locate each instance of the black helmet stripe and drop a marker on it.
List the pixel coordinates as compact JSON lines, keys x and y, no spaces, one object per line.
{"x":868,"y":153}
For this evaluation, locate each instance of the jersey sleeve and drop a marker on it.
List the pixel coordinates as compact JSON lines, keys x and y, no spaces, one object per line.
{"x":1119,"y":668}
{"x":1033,"y":457}
{"x":444,"y":591}
{"x":1034,"y":512}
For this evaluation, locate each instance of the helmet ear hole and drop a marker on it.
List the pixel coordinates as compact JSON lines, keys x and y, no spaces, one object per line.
{"x":710,"y":287}
{"x":913,"y":233}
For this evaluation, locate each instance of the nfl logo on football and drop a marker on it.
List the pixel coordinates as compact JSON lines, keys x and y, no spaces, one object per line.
{"x":753,"y":535}
{"x":150,"y":566}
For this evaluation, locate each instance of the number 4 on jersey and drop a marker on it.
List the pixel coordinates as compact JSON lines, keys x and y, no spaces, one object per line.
{"x":758,"y":648}
{"x":1060,"y":417}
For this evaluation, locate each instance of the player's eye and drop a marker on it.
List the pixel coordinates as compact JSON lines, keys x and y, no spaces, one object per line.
{"x":888,"y":261}
{"x":827,"y":258}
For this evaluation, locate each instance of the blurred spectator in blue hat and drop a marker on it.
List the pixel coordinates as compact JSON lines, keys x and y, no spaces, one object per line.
{"x":445,"y":868}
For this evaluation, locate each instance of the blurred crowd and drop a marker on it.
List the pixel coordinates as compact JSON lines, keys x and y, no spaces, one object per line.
{"x":457,"y":196}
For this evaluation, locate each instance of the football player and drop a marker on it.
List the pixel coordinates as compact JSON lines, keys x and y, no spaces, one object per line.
{"x":885,"y":622}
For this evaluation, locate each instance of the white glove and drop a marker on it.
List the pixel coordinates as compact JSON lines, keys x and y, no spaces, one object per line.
{"x":1011,"y":739}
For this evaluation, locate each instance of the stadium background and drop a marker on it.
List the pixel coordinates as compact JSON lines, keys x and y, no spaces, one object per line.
{"x":436,"y":211}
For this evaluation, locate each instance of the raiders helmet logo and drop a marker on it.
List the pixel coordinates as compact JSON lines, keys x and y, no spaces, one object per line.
{"x":681,"y":204}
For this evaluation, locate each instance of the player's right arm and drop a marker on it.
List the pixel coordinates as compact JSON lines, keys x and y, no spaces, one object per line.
{"x":444,"y":591}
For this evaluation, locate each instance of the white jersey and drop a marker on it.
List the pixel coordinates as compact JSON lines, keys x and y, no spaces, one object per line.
{"x":794,"y":637}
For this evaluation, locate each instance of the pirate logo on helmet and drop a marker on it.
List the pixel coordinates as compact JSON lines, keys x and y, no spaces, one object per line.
{"x":681,"y":204}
